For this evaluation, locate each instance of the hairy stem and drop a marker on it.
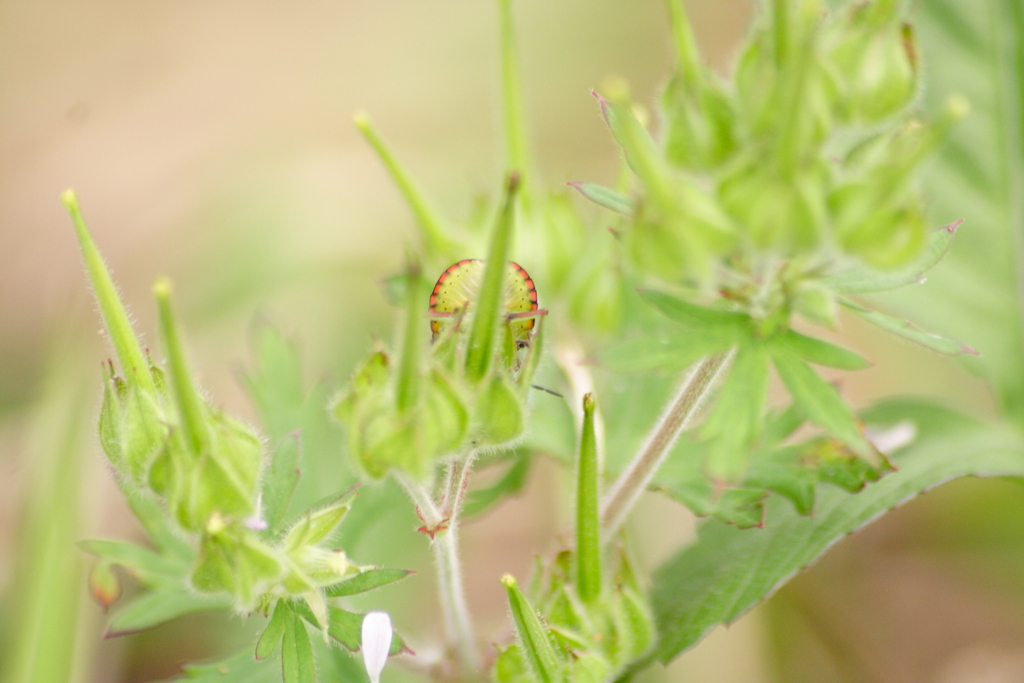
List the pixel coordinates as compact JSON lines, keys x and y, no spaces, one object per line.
{"x":696,"y":387}
{"x":443,"y":522}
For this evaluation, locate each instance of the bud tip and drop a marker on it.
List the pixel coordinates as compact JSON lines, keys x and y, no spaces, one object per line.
{"x":162,"y":288}
{"x":69,"y":198}
{"x":362,"y":120}
{"x":508,"y":581}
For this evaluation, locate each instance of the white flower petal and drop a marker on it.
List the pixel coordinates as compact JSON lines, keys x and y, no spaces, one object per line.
{"x":376,"y":643}
{"x":893,"y":438}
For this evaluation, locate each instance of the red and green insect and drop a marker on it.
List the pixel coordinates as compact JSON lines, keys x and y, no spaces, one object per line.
{"x":460,"y":284}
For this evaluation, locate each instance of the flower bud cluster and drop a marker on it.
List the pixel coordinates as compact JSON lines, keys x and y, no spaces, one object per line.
{"x":803,"y":162}
{"x":464,"y":392}
{"x":206,"y":470}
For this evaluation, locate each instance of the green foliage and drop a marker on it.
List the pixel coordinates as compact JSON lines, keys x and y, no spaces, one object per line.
{"x":727,"y":571}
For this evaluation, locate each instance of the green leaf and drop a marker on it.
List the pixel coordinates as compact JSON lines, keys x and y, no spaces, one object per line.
{"x":159,"y":606}
{"x":511,"y":483}
{"x":499,"y":415}
{"x":692,"y":315}
{"x":869,"y":281}
{"x":908,"y":330}
{"x":280,"y":480}
{"x":736,"y":418}
{"x":149,"y":568}
{"x":317,"y":524}
{"x":241,"y":668}
{"x":274,"y":632}
{"x":158,"y":529}
{"x":675,"y":352}
{"x":821,"y":352}
{"x":367,"y":580}
{"x":728,"y":571}
{"x":974,"y":50}
{"x":297,"y":665}
{"x":346,"y":628}
{"x":820,"y":402}
{"x":608,"y":198}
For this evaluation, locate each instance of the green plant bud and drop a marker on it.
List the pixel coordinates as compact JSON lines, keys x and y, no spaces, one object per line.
{"x":499,"y":416}
{"x":589,"y":668}
{"x":369,"y":378}
{"x":816,"y":303}
{"x":104,"y":584}
{"x":889,"y":239}
{"x":634,"y":623}
{"x":877,"y":64}
{"x":677,"y":241}
{"x":588,"y":525}
{"x":315,"y":526}
{"x":509,"y":666}
{"x":222,"y":478}
{"x":323,"y":567}
{"x":381,"y":437}
{"x":233,"y":560}
{"x":534,"y":639}
{"x":776,"y":212}
{"x":699,"y":123}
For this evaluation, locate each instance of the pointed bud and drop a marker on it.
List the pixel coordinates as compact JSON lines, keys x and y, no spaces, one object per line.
{"x":376,"y":643}
{"x":588,"y":524}
{"x":104,"y":584}
{"x":534,"y":639}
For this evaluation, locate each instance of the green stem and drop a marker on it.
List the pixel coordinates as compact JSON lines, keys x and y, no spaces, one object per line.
{"x":119,"y":329}
{"x":588,"y":522}
{"x":696,"y":387}
{"x":686,"y":46}
{"x":451,"y":586}
{"x":512,"y":91}
{"x":480,"y":350}
{"x":435,"y":236}
{"x":190,"y":405}
{"x":409,"y":380}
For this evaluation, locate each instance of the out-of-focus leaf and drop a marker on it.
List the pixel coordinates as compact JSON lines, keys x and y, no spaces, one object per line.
{"x":159,"y":606}
{"x":908,"y":330}
{"x":821,"y":352}
{"x":159,"y":530}
{"x":511,"y":483}
{"x":820,"y":402}
{"x":692,"y":315}
{"x":608,"y":198}
{"x":973,"y":49}
{"x":145,"y":565}
{"x":733,"y":423}
{"x":242,"y":668}
{"x":280,"y":480}
{"x":274,"y":632}
{"x":869,"y":281}
{"x":367,"y":581}
{"x":727,"y":571}
{"x":674,"y":352}
{"x":297,"y":665}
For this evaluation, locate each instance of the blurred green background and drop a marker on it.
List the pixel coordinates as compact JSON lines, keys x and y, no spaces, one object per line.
{"x":212,"y":142}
